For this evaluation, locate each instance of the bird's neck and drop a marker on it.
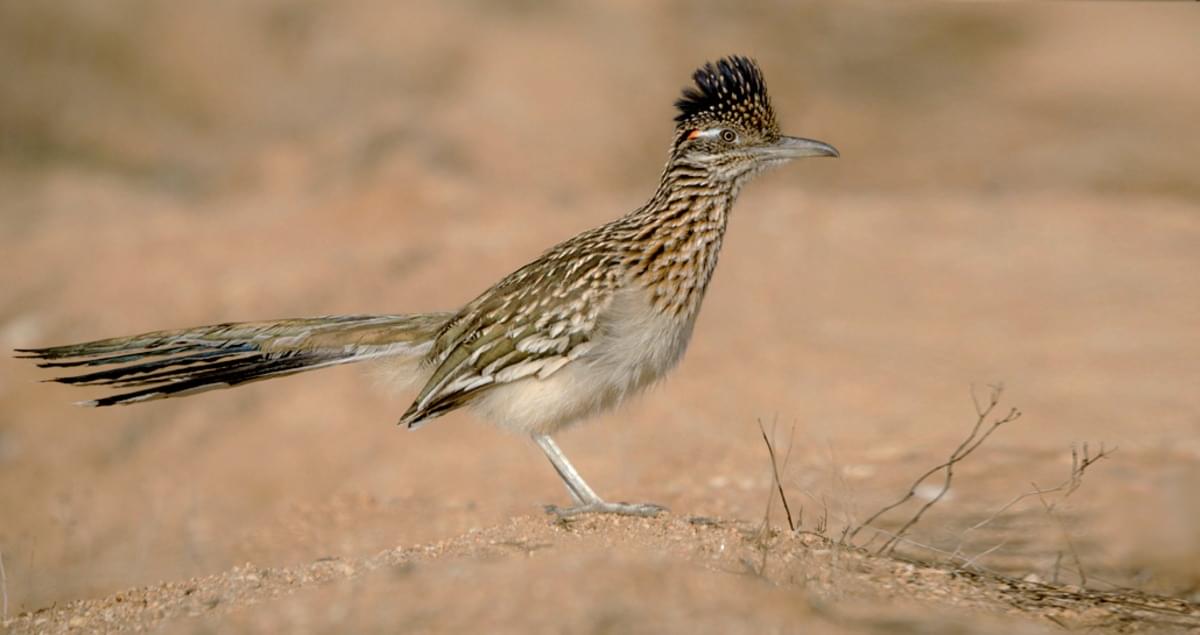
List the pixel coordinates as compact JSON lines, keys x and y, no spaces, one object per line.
{"x":676,"y":237}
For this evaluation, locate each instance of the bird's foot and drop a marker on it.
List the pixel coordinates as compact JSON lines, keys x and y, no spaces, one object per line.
{"x":601,"y":507}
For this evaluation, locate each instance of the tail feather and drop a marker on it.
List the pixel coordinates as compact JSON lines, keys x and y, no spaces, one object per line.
{"x":165,"y":364}
{"x":252,"y":370}
{"x":112,"y":359}
{"x":160,"y":370}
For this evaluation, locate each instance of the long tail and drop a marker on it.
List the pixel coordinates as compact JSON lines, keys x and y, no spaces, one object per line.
{"x":165,"y":364}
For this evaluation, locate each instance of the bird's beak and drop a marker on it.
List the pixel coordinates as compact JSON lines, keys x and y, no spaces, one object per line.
{"x":795,"y":147}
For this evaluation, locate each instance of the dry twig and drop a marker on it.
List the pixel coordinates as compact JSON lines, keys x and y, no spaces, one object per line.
{"x":775,"y":469}
{"x":976,"y":438}
{"x":3,"y":588}
{"x":1079,"y":465}
{"x":764,"y":534}
{"x":1049,"y":507}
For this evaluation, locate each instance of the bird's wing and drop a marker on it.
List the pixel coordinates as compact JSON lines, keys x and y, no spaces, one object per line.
{"x":531,"y":324}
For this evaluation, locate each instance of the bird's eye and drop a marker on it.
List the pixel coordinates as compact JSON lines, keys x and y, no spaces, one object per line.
{"x":728,"y":136}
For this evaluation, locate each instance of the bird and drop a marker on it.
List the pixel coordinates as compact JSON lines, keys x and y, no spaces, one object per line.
{"x":580,"y":329}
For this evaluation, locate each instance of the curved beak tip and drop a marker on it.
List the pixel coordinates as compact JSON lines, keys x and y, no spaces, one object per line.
{"x":801,"y":147}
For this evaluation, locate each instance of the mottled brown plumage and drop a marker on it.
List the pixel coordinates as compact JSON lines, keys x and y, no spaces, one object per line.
{"x":593,"y":320}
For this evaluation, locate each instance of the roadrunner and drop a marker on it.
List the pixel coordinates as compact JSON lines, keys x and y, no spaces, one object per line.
{"x":589,"y":323}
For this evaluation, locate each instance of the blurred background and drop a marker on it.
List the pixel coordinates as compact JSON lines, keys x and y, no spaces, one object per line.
{"x":1018,"y":201}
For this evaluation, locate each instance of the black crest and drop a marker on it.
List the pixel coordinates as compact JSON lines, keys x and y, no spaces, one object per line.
{"x":730,"y":91}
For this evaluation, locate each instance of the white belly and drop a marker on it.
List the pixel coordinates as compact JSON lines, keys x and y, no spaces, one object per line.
{"x":634,"y":348}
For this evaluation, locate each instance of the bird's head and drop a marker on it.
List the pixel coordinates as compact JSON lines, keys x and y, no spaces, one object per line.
{"x":727,"y":126}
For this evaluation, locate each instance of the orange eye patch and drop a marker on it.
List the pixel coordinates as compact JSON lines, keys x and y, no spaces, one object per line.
{"x":693,"y":134}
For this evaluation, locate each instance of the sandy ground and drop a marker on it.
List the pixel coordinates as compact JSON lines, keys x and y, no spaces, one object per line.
{"x":1017,"y":202}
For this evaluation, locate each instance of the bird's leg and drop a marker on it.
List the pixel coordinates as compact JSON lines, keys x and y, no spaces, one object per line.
{"x":579,"y":490}
{"x":586,"y":500}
